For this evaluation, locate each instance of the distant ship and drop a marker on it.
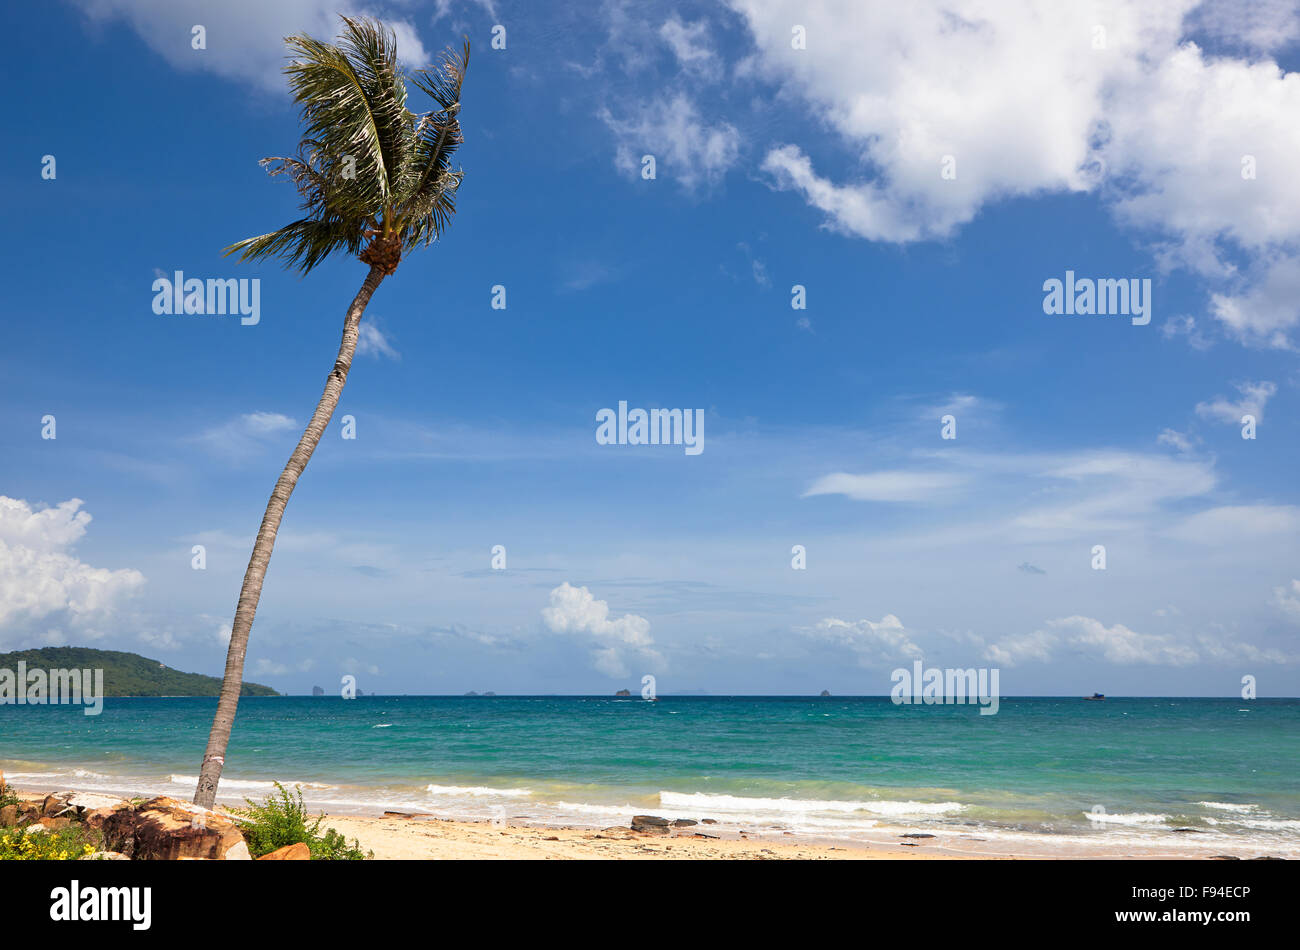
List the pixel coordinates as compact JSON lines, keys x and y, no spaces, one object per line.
{"x":1095,"y":697}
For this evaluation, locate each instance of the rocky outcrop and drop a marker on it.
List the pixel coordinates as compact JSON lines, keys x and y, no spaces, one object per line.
{"x":164,"y":829}
{"x":623,"y":692}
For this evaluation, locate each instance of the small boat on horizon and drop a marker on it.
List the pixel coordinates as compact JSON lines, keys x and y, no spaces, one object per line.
{"x":1095,"y":697}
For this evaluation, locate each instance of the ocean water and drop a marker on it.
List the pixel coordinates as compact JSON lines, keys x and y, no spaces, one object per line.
{"x":1050,"y":773}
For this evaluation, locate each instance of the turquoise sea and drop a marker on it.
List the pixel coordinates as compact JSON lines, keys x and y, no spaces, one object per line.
{"x":1125,"y":773}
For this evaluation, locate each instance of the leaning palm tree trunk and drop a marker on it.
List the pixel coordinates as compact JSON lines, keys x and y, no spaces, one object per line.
{"x":251,"y":592}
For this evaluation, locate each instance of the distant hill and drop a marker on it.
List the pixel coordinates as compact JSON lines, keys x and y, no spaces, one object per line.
{"x":126,"y":674}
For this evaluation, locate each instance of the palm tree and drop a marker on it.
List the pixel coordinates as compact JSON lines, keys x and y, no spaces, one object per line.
{"x":376,"y":180}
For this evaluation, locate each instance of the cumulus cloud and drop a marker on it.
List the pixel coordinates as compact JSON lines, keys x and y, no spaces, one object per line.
{"x":575,"y":610}
{"x":44,"y":589}
{"x":245,"y":38}
{"x":1192,"y":149}
{"x":685,"y":147}
{"x":1120,"y":645}
{"x":875,"y":642}
{"x":1253,"y":398}
{"x":1017,"y":649}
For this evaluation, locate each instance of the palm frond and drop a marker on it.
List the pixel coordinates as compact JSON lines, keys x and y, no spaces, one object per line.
{"x":353,"y":103}
{"x":304,"y":243}
{"x":367,"y":168}
{"x":431,"y":203}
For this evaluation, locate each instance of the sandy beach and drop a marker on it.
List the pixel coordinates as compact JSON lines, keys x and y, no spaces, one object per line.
{"x":407,"y":836}
{"x":423,"y":838}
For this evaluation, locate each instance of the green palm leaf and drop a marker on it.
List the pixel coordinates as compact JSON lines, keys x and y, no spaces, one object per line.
{"x":374,"y":177}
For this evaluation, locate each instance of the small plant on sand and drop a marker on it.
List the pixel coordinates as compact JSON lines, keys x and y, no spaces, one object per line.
{"x":8,"y":796}
{"x":66,"y":844}
{"x":282,"y":820}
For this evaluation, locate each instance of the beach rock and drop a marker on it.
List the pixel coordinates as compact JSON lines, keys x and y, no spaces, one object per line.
{"x":164,"y":829}
{"x":290,"y":852}
{"x":708,"y":821}
{"x":54,"y":804}
{"x":915,"y":834}
{"x":651,"y":824}
{"x":104,"y":856}
{"x":684,"y":822}
{"x":95,"y":819}
{"x":8,"y":816}
{"x":55,"y":824}
{"x":86,"y":802}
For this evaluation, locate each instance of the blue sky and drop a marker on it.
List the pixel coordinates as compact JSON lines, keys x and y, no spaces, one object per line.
{"x":1116,"y":155}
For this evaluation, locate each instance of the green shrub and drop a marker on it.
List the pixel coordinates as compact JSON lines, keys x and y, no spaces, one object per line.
{"x":282,"y":820}
{"x":8,"y":796}
{"x":66,"y":844}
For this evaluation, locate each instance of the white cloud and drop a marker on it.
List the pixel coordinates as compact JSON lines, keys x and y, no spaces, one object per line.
{"x":1116,"y":644}
{"x":246,"y":435}
{"x":371,"y":341}
{"x":44,"y":589}
{"x":1122,"y":646}
{"x":905,"y":87}
{"x":882,"y":642}
{"x":1175,"y":439}
{"x":245,"y":38}
{"x":685,"y":148}
{"x":1185,"y":326}
{"x":1036,"y":646}
{"x":1158,"y":129}
{"x":1254,"y":397}
{"x":1287,"y":599}
{"x":1112,"y":490}
{"x":1266,"y":312}
{"x":576,"y":610}
{"x":1263,"y":25}
{"x":689,"y":42}
{"x":1119,"y":644}
{"x":887,"y":486}
{"x":1234,"y":523}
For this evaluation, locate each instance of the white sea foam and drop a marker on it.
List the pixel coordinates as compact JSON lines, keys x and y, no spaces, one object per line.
{"x":245,"y":784}
{"x":1131,"y":818}
{"x":738,"y":805}
{"x":477,"y":791}
{"x":1228,"y":806}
